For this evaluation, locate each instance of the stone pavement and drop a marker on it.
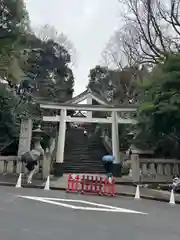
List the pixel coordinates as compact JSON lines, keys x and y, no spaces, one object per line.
{"x":121,"y":189}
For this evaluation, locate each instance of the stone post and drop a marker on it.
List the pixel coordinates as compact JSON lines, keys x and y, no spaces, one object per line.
{"x":24,"y":140}
{"x":58,"y":168}
{"x":115,"y":145}
{"x":46,"y":164}
{"x":135,"y":165}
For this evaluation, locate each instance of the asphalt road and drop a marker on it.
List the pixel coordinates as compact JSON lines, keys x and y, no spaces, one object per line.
{"x":24,"y":218}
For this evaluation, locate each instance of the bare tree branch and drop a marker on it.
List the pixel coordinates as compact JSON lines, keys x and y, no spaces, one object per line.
{"x":149,"y":34}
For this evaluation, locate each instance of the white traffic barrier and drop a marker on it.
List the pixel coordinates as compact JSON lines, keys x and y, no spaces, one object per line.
{"x":47,"y":187}
{"x":137,"y":195}
{"x":18,"y":184}
{"x":172,"y":199}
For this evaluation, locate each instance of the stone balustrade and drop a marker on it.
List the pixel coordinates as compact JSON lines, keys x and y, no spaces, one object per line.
{"x":11,"y":165}
{"x":8,"y":164}
{"x":158,"y":169}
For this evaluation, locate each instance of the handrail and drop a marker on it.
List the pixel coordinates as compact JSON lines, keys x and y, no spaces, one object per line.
{"x":9,"y":158}
{"x":107,"y":141}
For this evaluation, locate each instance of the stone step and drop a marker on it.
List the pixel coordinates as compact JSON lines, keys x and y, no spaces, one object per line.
{"x":84,"y":171}
{"x":83,"y":154}
{"x":90,"y":164}
{"x":82,"y":157}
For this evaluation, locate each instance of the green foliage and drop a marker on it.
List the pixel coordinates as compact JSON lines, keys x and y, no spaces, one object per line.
{"x":12,"y":108}
{"x":117,"y":86}
{"x":14,"y":23}
{"x":98,"y":78}
{"x":159,"y":113}
{"x":8,"y":124}
{"x":31,"y":68}
{"x":103,"y":81}
{"x":48,"y":71}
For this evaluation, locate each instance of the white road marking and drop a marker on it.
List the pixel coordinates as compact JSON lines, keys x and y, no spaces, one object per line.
{"x":100,"y":207}
{"x":80,"y":201}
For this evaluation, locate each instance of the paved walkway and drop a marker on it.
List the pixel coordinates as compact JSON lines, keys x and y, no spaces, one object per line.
{"x":61,"y":183}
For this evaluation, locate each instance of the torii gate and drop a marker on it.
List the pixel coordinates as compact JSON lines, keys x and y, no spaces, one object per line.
{"x":115,"y":118}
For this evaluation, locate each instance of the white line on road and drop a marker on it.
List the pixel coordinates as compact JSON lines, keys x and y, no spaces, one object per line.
{"x":81,"y":201}
{"x":101,"y":207}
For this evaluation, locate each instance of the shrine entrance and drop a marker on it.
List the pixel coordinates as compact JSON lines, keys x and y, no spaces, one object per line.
{"x":121,"y":114}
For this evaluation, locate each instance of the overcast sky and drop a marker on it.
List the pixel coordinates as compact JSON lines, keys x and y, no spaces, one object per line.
{"x":87,"y":23}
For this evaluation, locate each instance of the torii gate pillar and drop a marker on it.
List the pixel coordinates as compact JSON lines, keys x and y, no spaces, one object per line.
{"x":115,"y":145}
{"x":58,"y":168}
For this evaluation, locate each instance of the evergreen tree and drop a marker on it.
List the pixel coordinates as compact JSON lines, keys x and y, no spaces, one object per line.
{"x":159,"y":113}
{"x":14,"y":23}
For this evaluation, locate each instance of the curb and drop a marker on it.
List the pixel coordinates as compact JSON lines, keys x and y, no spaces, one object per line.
{"x":125,"y":194}
{"x":158,"y":199}
{"x":140,"y":183}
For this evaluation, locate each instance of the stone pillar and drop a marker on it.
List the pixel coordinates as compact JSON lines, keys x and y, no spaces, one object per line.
{"x":46,"y":163}
{"x":52,"y":144}
{"x":89,"y":102}
{"x":58,"y":168}
{"x":135,"y":164}
{"x":115,"y":146}
{"x":24,"y":140}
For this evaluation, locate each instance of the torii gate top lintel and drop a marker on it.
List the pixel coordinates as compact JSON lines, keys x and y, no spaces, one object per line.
{"x":103,"y":106}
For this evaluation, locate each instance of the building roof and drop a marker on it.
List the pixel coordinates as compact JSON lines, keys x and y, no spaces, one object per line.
{"x":84,"y":95}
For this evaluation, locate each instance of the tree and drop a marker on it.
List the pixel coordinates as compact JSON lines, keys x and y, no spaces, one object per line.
{"x":48,"y":71}
{"x":170,"y":14}
{"x":31,"y":67}
{"x":47,"y":32}
{"x":117,"y":86}
{"x":121,"y":49}
{"x":159,"y":114}
{"x":14,"y":25}
{"x":8,"y":126}
{"x":149,"y":32}
{"x":97,"y":76}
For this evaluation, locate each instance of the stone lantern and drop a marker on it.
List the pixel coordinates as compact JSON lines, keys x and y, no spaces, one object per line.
{"x":37,"y":135}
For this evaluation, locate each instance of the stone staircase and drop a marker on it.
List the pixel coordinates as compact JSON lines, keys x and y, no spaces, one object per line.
{"x":83,"y":154}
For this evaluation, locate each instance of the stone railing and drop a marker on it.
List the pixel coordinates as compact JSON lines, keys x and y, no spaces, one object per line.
{"x":106,"y":140}
{"x":159,"y":169}
{"x":11,"y":165}
{"x":154,"y":169}
{"x":8,"y":164}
